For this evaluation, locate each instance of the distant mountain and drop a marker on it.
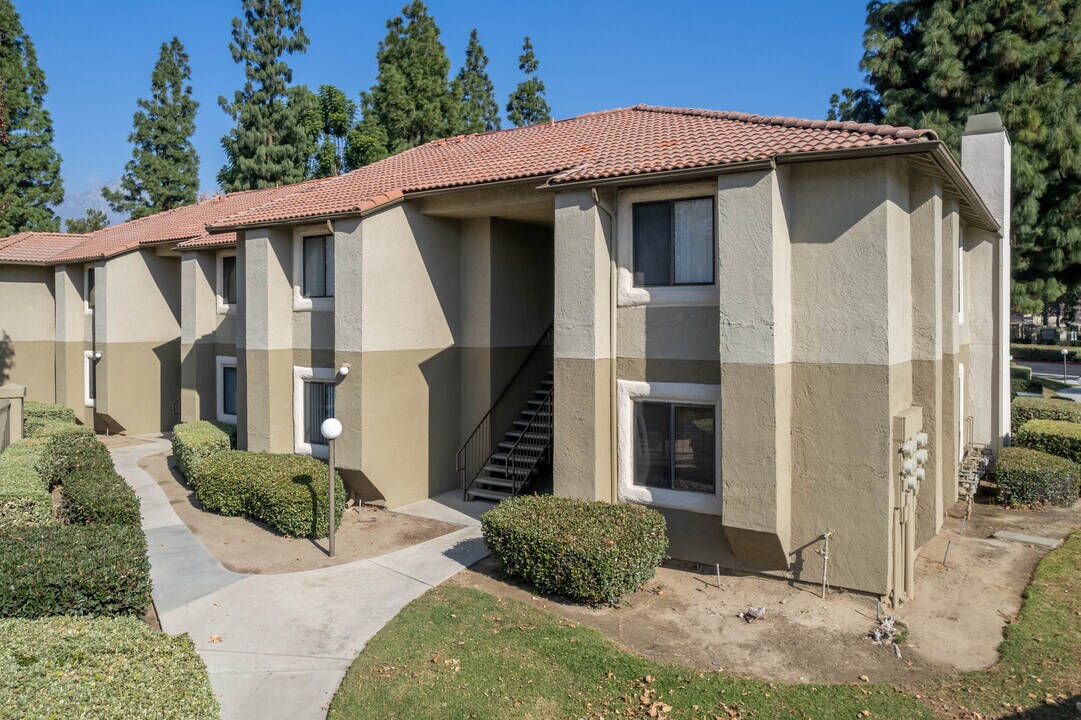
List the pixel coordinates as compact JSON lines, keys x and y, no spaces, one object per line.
{"x":75,"y":205}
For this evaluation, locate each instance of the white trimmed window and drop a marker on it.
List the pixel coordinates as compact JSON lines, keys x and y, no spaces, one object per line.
{"x":669,"y":445}
{"x":313,"y":402}
{"x":226,"y":285}
{"x":88,"y":289}
{"x":313,"y":268}
{"x":90,"y":380}
{"x":226,"y":389}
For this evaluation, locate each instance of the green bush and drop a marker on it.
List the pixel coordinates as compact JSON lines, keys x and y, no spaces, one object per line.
{"x":99,"y":495}
{"x":70,"y":449}
{"x":288,"y":492}
{"x":100,"y":669}
{"x":1017,"y":386}
{"x":194,"y":442}
{"x":24,"y":494}
{"x":593,"y":552}
{"x":36,"y":414}
{"x":1021,"y":372}
{"x":1031,"y":477}
{"x":1024,"y":409}
{"x":1051,"y":436}
{"x":1045,"y":353}
{"x":73,"y":570}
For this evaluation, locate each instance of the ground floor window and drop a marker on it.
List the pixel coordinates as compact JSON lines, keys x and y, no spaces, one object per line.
{"x":90,"y":380}
{"x":226,"y":384}
{"x":669,"y":445}
{"x":313,"y":402}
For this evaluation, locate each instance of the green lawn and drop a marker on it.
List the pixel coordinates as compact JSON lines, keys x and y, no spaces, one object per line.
{"x":461,"y":653}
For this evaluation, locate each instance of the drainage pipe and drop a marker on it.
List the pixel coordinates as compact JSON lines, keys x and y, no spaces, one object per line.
{"x":910,"y":545}
{"x":825,"y":552}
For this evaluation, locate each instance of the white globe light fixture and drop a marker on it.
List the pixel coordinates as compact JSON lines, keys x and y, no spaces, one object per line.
{"x":331,"y":429}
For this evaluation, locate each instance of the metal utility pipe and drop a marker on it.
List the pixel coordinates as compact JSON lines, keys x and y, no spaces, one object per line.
{"x":825,"y":553}
{"x":910,"y":546}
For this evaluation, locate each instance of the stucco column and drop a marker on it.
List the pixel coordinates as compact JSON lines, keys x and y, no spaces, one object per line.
{"x":264,"y":341}
{"x":986,"y":160}
{"x":582,"y":448}
{"x":198,"y":276}
{"x":70,"y":323}
{"x":348,"y":340}
{"x":755,"y":300}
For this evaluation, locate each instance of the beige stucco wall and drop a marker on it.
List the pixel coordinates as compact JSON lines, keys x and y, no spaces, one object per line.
{"x":27,"y":330}
{"x":208,"y":331}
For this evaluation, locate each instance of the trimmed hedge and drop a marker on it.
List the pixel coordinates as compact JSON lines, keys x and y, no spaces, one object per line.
{"x":1020,"y":372}
{"x":1051,"y":436}
{"x":1030,"y":477}
{"x":288,"y":492}
{"x":1024,"y":409}
{"x":36,"y":414}
{"x":24,"y":494}
{"x":73,"y":570}
{"x":70,"y":449}
{"x":194,"y":442}
{"x":1045,"y":353}
{"x":100,"y":668}
{"x":592,"y":552}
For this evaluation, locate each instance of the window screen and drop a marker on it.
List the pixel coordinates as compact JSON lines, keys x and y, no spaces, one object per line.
{"x":228,"y":390}
{"x":675,"y":446}
{"x":673,"y":242}
{"x":228,"y":279}
{"x":318,"y":267}
{"x":318,"y":406}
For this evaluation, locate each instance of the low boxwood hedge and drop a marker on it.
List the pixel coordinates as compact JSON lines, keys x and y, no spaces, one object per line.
{"x":36,"y":414}
{"x":194,"y":442}
{"x":73,"y":570}
{"x":1051,"y":436}
{"x":288,"y":492}
{"x":1020,"y":372}
{"x":592,"y":552}
{"x":1030,"y":477}
{"x":1045,"y":353}
{"x":1024,"y":409}
{"x":100,"y":669}
{"x":24,"y":494}
{"x":70,"y":449}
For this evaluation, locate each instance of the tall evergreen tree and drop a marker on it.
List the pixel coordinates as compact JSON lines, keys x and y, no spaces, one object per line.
{"x":411,"y":101}
{"x":527,"y":105}
{"x":30,"y":177}
{"x":163,"y":172}
{"x":330,"y":118}
{"x":93,"y":220}
{"x":932,"y":63}
{"x":473,"y":87}
{"x":269,"y":145}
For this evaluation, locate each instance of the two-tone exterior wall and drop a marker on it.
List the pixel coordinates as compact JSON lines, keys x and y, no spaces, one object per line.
{"x":208,"y":334}
{"x":832,"y":312}
{"x":27,"y":329}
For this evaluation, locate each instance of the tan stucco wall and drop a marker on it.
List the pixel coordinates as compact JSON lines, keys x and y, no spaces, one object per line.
{"x":207,"y":332}
{"x":27,"y":330}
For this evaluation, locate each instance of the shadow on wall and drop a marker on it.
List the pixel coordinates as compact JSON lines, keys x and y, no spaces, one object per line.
{"x":7,"y":352}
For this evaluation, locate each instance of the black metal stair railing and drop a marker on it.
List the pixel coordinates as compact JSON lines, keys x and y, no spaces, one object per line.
{"x":531,"y":445}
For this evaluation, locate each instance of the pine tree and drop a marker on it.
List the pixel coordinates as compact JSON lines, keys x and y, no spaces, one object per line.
{"x":411,"y":101}
{"x":93,"y":220}
{"x":473,"y":87}
{"x":30,"y":177}
{"x":527,"y":105}
{"x":269,"y":145}
{"x":163,"y":172}
{"x":932,"y":63}
{"x":329,"y":119}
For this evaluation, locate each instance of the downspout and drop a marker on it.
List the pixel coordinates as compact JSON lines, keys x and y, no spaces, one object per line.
{"x":613,"y":278}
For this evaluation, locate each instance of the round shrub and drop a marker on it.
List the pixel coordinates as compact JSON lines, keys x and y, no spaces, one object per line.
{"x":592,"y":552}
{"x":288,"y":492}
{"x":1030,"y":477}
{"x":1024,"y":409}
{"x":1056,"y":437}
{"x":194,"y":442}
{"x":66,"y":667}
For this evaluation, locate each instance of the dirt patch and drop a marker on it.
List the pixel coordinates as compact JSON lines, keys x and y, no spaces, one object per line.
{"x":955,"y":621}
{"x":249,"y":546}
{"x":114,"y":441}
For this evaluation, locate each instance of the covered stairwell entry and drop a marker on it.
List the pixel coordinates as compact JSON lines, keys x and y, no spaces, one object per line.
{"x":512,"y":444}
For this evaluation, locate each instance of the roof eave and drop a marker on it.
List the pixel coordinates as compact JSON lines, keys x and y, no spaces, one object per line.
{"x":306,"y":220}
{"x":649,"y":178}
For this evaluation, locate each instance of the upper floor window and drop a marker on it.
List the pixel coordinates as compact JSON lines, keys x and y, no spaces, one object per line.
{"x":88,"y":289}
{"x":673,"y":242}
{"x":228,"y":279}
{"x":318,"y":260}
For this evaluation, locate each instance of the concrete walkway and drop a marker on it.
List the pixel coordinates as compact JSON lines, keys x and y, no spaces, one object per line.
{"x":277,"y":646}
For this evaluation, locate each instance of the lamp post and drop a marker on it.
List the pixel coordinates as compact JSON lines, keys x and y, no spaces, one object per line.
{"x":331,"y":429}
{"x":1065,"y":352}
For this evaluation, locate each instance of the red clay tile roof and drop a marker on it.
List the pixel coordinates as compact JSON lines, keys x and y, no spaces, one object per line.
{"x":614,"y":143}
{"x":183,"y":223}
{"x":36,"y":247}
{"x":208,"y":240}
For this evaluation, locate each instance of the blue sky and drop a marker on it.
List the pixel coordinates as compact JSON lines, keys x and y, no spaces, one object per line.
{"x":778,"y":58}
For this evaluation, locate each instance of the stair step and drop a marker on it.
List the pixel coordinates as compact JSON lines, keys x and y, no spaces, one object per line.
{"x":530,"y":412}
{"x":542,"y":393}
{"x":537,"y":403}
{"x":525,"y":446}
{"x":548,"y":383}
{"x":474,"y":493}
{"x":490,"y":468}
{"x":498,"y":482}
{"x":536,"y":425}
{"x":530,"y":435}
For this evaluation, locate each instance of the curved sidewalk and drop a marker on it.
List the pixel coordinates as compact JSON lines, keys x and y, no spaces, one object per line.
{"x":277,"y":646}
